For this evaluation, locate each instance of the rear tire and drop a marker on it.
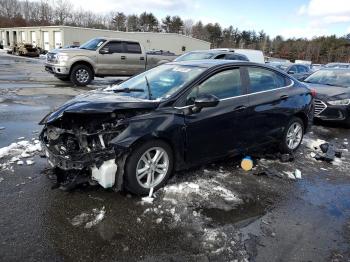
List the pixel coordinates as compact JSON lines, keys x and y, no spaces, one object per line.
{"x":292,"y":135}
{"x":81,"y":75}
{"x":153,"y":173}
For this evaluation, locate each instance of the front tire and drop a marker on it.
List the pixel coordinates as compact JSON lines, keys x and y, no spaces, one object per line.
{"x":292,"y":135}
{"x":149,"y":165}
{"x":81,"y":75}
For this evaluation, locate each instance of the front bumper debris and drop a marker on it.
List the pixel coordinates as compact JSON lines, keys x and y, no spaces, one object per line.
{"x":78,"y":161}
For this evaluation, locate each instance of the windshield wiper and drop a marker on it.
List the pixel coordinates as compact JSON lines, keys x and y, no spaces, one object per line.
{"x":128,"y":90}
{"x":148,"y":88}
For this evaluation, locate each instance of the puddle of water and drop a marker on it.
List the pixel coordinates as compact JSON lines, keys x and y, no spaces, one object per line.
{"x":241,"y":216}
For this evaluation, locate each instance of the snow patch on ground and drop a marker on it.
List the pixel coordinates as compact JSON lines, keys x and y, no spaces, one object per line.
{"x":13,"y":153}
{"x":89,"y":219}
{"x":209,"y":192}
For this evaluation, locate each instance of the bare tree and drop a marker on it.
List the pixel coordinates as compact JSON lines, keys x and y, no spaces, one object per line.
{"x":188,"y":25}
{"x":62,"y":11}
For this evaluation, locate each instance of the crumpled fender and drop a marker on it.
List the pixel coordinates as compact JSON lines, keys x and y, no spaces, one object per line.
{"x":140,"y":129}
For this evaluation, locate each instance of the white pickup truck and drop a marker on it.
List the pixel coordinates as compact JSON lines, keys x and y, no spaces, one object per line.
{"x":102,"y":57}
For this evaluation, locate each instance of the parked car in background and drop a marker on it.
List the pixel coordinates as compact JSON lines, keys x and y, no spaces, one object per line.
{"x":173,"y":117}
{"x":299,"y":71}
{"x":315,"y":67}
{"x":23,"y":49}
{"x":71,"y":46}
{"x":332,"y":102}
{"x":337,"y":65}
{"x":255,"y":56}
{"x":101,"y":57}
{"x":211,"y":54}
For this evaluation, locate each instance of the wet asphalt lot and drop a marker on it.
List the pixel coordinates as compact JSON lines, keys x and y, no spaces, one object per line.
{"x":211,"y":213}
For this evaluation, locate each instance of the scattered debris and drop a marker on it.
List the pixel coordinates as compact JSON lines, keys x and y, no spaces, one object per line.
{"x":297,"y":174}
{"x":30,"y":162}
{"x":247,"y":163}
{"x":286,"y":158}
{"x":20,"y":162}
{"x":1,"y":179}
{"x":290,"y":175}
{"x":159,"y":220}
{"x":21,"y":138}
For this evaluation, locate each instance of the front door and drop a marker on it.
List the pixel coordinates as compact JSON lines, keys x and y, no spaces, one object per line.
{"x":111,"y":63}
{"x":220,"y":130}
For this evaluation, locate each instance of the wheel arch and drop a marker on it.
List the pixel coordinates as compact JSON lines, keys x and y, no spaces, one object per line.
{"x":82,"y":62}
{"x":304,"y":118}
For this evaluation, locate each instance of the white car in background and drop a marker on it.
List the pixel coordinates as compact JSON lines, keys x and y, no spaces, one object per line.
{"x":256,"y":56}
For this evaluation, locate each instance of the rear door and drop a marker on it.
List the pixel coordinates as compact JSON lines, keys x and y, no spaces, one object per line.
{"x":111,"y":63}
{"x":220,"y":130}
{"x":133,"y":59}
{"x":269,"y":103}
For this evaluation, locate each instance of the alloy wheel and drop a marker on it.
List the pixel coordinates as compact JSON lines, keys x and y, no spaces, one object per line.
{"x":82,"y":75}
{"x":294,"y":135}
{"x":152,"y":167}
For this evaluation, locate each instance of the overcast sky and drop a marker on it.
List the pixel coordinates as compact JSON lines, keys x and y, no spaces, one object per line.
{"x":293,"y":18}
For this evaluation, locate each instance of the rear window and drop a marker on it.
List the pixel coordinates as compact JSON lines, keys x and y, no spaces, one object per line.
{"x":262,"y":79}
{"x":133,"y":48}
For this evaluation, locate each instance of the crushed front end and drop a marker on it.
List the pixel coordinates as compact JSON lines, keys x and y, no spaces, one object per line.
{"x":79,"y":143}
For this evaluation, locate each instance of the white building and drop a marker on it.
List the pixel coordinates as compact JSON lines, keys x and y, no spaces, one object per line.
{"x":50,"y":37}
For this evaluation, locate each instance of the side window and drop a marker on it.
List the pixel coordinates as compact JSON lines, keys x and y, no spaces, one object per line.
{"x":301,"y":69}
{"x":224,"y":84}
{"x":262,"y":79}
{"x":220,"y":56}
{"x":133,"y":48}
{"x":293,"y":69}
{"x":236,"y":57}
{"x":115,"y":47}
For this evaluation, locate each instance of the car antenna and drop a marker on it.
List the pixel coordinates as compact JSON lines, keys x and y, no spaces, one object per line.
{"x":148,"y":88}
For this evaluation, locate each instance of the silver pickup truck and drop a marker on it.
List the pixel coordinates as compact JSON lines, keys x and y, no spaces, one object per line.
{"x":102,"y":57}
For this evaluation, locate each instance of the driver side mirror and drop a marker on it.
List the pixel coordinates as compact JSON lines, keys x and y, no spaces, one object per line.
{"x":203,"y":101}
{"x":291,"y":72}
{"x":104,"y":51}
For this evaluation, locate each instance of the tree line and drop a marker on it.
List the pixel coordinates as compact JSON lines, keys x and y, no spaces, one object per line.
{"x":322,"y":49}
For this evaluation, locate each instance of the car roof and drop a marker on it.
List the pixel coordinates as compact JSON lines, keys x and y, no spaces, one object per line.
{"x":209,"y":63}
{"x":334,"y":69}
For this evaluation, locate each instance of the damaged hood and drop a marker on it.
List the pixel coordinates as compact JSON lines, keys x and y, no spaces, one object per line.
{"x":96,"y":102}
{"x":327,"y":92}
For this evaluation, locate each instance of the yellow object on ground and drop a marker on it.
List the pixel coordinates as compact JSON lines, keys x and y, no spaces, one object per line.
{"x":247,"y":163}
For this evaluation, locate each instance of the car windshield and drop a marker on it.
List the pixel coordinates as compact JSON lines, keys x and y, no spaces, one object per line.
{"x":158,"y":83}
{"x":330,"y":77}
{"x":194,"y":56}
{"x":93,"y":44}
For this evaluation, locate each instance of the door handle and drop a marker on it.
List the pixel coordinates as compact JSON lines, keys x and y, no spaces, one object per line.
{"x":284,"y":97}
{"x":142,"y":58}
{"x":239,"y":108}
{"x":123,"y":57}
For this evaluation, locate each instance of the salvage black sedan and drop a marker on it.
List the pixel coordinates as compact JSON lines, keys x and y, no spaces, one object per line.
{"x":332,"y":102}
{"x":175,"y":116}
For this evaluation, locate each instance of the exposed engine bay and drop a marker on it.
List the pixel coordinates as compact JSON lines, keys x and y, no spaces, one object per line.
{"x":79,"y":144}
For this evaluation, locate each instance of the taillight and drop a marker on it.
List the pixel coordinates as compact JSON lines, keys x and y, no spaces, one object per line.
{"x":313,"y":92}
